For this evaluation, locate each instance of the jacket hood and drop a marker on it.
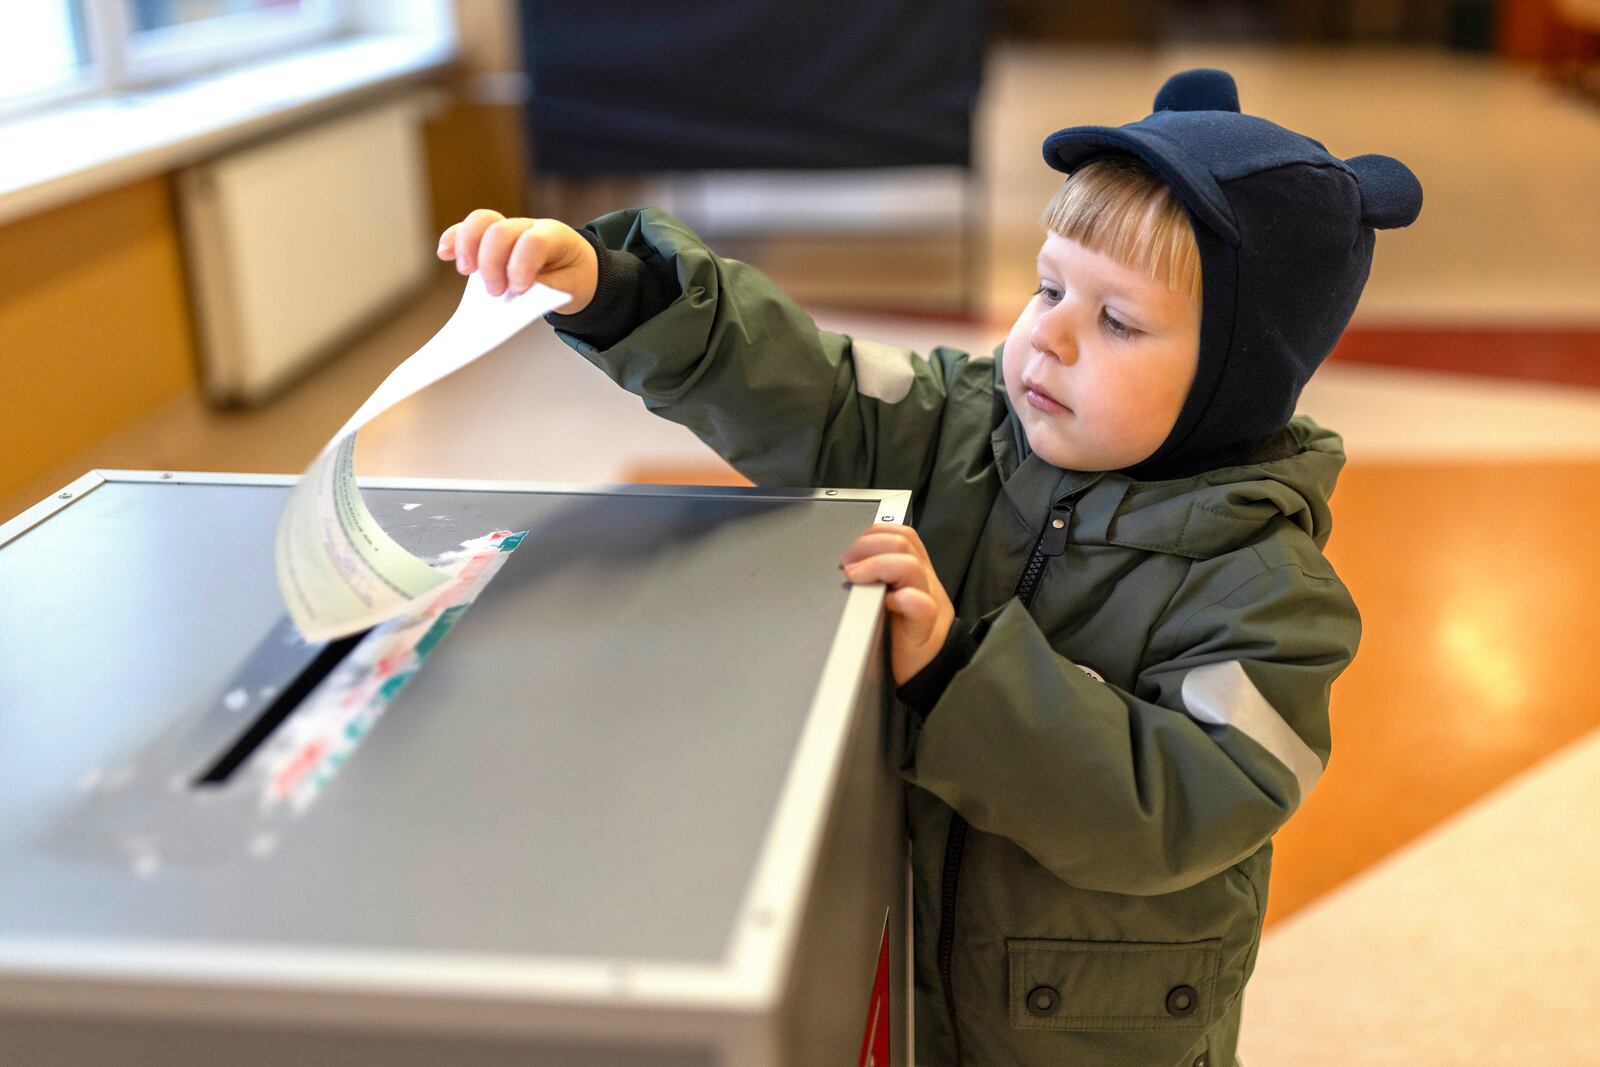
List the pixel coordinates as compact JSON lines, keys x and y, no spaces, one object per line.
{"x":1206,"y":514}
{"x":1198,"y":516}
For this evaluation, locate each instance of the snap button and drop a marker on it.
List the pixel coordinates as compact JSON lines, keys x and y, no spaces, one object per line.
{"x":1202,"y":1060}
{"x":1183,"y":1000}
{"x":1043,"y":1001}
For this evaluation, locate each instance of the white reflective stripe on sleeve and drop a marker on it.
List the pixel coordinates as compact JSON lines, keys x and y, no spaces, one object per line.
{"x":1222,"y":694}
{"x":883,"y":372}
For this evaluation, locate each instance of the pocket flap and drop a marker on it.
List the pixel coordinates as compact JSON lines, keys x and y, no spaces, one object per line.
{"x":1112,"y":985}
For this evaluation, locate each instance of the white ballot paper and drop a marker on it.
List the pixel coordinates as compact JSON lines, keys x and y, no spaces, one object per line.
{"x":338,"y":571}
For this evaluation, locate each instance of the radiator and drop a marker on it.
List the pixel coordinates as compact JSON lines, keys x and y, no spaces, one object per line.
{"x":295,"y":244}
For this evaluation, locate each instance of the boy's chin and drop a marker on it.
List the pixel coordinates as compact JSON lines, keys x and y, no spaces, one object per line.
{"x":1057,"y":451}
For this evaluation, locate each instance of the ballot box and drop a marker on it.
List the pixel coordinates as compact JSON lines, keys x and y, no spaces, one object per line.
{"x":637,"y":806}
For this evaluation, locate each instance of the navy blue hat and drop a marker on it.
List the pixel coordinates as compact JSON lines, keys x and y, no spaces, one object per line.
{"x":1285,"y":234}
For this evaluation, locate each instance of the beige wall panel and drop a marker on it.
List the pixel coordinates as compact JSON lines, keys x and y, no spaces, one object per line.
{"x":488,"y":31}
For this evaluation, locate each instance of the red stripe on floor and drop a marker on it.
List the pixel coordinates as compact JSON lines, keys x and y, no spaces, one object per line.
{"x":1559,"y":356}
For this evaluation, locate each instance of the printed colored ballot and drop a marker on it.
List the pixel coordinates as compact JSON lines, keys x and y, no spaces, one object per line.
{"x":308,"y":750}
{"x":338,"y":571}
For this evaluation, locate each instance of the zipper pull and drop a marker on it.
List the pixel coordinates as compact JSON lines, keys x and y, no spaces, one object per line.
{"x":1054,"y":539}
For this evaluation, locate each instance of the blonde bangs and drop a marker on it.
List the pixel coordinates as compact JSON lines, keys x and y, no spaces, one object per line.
{"x":1119,"y":209}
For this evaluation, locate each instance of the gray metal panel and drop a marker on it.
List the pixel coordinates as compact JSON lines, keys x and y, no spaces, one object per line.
{"x":54,"y":1042}
{"x":584,"y":768}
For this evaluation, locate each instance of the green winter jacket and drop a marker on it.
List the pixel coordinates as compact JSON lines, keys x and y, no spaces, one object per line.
{"x":1092,"y":798}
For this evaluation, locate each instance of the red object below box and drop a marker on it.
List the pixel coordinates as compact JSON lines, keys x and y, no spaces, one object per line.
{"x":875,"y":1042}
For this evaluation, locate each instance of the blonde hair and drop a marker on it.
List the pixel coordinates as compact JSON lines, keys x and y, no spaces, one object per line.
{"x":1119,"y":209}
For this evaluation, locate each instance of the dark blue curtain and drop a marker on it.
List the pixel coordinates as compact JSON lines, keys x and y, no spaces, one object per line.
{"x":623,"y":87}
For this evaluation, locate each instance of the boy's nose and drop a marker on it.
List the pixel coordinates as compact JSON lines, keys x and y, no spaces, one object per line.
{"x":1052,"y":334}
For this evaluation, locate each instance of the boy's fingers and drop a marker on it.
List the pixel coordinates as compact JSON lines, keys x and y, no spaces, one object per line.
{"x":913,"y":605}
{"x":495,"y":250}
{"x":910,"y":535}
{"x":468,"y":236}
{"x":527,"y":259}
{"x":873,"y":545}
{"x":879,"y":540}
{"x":896,"y":570}
{"x":447,"y":242}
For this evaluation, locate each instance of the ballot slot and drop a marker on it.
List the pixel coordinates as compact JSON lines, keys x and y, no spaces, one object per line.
{"x":296,"y":710}
{"x":281,"y":706}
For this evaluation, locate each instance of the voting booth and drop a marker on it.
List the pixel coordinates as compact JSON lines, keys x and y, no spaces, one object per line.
{"x":638,"y":806}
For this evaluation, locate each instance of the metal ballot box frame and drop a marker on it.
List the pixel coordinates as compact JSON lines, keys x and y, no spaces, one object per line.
{"x":638,"y":806}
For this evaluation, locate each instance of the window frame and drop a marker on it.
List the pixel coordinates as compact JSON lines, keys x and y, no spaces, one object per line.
{"x":113,"y":61}
{"x":213,"y":44}
{"x":91,"y":73}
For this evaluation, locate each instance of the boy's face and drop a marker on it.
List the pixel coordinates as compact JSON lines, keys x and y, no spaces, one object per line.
{"x":1099,"y":363}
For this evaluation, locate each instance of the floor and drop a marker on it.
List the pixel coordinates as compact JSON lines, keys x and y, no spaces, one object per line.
{"x":1433,"y":903}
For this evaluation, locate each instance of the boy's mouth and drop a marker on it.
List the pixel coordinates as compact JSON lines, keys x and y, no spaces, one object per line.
{"x":1043,"y":400}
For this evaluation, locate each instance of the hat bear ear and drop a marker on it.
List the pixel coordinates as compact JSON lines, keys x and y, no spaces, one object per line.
{"x":1391,"y":196}
{"x":1202,"y":89}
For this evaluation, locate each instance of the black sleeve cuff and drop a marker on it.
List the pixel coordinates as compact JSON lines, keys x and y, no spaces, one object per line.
{"x":628,"y":291}
{"x":923,"y":690}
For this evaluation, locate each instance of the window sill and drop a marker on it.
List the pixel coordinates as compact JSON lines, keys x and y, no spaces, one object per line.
{"x":62,"y":154}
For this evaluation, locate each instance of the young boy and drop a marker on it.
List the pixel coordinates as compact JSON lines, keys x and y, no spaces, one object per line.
{"x":1111,"y":613}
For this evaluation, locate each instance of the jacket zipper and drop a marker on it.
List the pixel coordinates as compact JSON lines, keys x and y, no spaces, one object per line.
{"x":1052,"y":540}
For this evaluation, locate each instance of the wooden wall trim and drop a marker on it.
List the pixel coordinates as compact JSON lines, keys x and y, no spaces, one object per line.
{"x":94,"y":323}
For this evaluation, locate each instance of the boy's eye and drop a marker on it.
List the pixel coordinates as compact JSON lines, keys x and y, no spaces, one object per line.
{"x":1115,"y":325}
{"x":1051,"y":295}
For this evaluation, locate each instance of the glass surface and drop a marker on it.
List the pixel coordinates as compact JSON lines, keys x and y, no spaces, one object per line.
{"x":149,"y":15}
{"x":41,"y":47}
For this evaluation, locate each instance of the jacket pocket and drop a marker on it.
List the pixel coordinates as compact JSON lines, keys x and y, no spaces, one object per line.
{"x":1112,"y":985}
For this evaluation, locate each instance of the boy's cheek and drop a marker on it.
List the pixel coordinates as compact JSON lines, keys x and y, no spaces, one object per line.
{"x":1014,"y":357}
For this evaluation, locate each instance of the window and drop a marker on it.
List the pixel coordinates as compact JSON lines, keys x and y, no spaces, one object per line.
{"x":167,"y":38}
{"x":151,"y":16}
{"x":50,"y":49}
{"x":43,"y":54}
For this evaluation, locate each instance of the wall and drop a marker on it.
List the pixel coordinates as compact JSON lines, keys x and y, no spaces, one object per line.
{"x":477,"y":153}
{"x":94,"y":326}
{"x":95,"y":322}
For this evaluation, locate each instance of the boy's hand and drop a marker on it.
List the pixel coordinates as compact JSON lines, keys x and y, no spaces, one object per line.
{"x":920,"y":612}
{"x":513,"y":254}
